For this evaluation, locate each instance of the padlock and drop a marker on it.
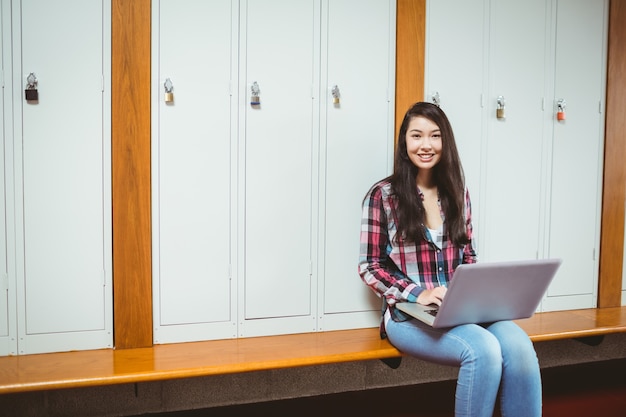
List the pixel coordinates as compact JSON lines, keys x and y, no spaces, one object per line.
{"x":31,"y":94}
{"x":500,"y":108}
{"x":336,"y":95}
{"x":255,"y":94}
{"x":560,"y":110}
{"x":169,"y":88}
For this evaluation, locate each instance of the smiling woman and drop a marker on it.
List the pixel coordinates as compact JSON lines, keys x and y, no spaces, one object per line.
{"x":416,"y":229}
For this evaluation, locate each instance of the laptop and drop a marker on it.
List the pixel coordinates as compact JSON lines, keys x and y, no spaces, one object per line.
{"x":488,"y":292}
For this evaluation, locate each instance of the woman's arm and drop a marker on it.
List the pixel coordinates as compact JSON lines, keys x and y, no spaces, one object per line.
{"x":375,"y":267}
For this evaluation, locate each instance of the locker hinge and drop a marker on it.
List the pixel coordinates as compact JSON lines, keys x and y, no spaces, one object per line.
{"x":102,"y":83}
{"x":2,"y":78}
{"x":104,"y":278}
{"x":230,"y":272}
{"x":600,"y":106}
{"x":543,"y":104}
{"x":5,"y":281}
{"x":310,"y":269}
{"x":593,"y":254}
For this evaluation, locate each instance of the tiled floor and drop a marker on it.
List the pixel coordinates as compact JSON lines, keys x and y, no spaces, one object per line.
{"x":597,"y":390}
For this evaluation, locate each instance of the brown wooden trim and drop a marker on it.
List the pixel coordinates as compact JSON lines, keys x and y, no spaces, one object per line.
{"x":221,"y":357}
{"x":614,"y":195}
{"x":132,"y":263}
{"x":410,"y":55}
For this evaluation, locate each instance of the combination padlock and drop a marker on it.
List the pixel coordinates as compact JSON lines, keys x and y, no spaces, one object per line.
{"x":31,"y":92}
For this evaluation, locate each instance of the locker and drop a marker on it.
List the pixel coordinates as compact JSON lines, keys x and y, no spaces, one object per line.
{"x":279,"y":54}
{"x":515,"y":145}
{"x":62,"y":175}
{"x":7,"y":292}
{"x":194,"y":151}
{"x":528,"y":160}
{"x":456,"y":77}
{"x":357,"y":146}
{"x":577,"y":151}
{"x":247,"y":106}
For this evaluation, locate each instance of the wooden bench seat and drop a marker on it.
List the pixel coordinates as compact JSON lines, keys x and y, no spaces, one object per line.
{"x":185,"y":360}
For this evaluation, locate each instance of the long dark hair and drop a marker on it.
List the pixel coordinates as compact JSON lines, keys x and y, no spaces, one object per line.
{"x":447,"y":174}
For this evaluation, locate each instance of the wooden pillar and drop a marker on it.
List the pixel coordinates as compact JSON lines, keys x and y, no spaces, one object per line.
{"x":614,"y":195}
{"x":132,"y":263}
{"x":410,"y":53}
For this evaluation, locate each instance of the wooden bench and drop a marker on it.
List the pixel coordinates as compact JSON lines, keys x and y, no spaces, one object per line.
{"x":185,"y":360}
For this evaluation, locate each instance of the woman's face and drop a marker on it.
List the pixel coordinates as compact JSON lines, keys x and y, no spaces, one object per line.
{"x":423,"y":143}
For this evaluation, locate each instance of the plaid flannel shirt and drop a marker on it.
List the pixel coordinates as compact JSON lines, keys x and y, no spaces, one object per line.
{"x":400,"y":271}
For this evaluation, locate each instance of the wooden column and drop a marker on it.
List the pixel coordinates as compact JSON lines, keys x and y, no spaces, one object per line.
{"x":132,"y":263}
{"x":410,"y":55}
{"x":614,"y":195}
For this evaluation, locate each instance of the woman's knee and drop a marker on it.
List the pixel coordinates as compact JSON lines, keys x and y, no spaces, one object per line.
{"x":515,"y":343}
{"x":484,"y":349}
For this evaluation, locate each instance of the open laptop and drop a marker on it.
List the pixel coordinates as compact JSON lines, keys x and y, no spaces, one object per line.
{"x":489,"y":291}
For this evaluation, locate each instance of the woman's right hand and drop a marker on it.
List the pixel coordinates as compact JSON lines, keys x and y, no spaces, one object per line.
{"x":432,"y":296}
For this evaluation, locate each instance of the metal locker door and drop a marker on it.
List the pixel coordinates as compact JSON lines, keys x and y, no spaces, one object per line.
{"x":64,"y":176}
{"x":7,"y":292}
{"x":279,"y":133}
{"x":515,"y":148}
{"x":456,"y":76}
{"x":577,"y":150}
{"x":192,"y":166}
{"x":358,"y":139}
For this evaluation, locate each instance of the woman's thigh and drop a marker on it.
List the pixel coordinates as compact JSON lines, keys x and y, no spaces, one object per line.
{"x":443,"y":346}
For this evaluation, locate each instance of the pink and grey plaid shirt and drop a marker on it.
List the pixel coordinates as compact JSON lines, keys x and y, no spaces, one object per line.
{"x":399,"y":271}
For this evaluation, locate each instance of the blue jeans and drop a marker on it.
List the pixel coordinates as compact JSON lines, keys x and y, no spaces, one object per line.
{"x":492,"y":357}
